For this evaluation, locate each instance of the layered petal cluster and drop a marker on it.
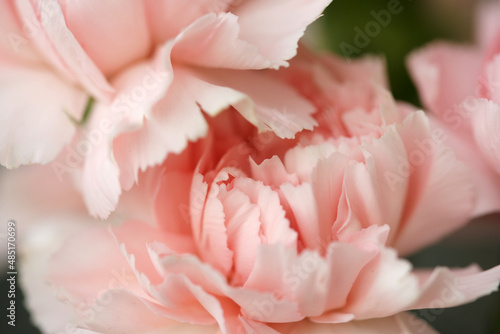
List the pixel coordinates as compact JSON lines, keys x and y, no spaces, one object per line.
{"x":107,"y":299}
{"x":105,"y":78}
{"x":257,"y":234}
{"x":380,"y":161}
{"x":460,"y":85}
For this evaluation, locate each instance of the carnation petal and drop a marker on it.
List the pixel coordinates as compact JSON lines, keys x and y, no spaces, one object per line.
{"x":443,"y":287}
{"x":165,"y":22}
{"x":26,"y":137}
{"x":384,"y":287}
{"x":110,"y":54}
{"x":485,"y":126}
{"x":437,"y":178}
{"x":262,"y":99}
{"x":275,"y":27}
{"x":59,"y":46}
{"x":440,"y":85}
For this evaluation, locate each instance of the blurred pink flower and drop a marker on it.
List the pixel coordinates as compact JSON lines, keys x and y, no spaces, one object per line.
{"x":460,"y":85}
{"x":259,"y":234}
{"x":151,"y":67}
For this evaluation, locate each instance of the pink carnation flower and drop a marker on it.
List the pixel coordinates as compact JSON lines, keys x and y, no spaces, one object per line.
{"x":143,"y":71}
{"x":256,"y":234}
{"x":460,"y":84}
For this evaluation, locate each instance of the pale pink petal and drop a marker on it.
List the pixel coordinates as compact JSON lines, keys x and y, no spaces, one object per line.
{"x":273,"y":271}
{"x":367,"y":69}
{"x":486,"y":129}
{"x":332,"y":280}
{"x":333,"y":317}
{"x":213,"y":41}
{"x":134,"y":237}
{"x":304,"y":208}
{"x":485,"y":178}
{"x":256,"y":327}
{"x":301,"y":279}
{"x":103,"y":307}
{"x":189,"y":291}
{"x":141,"y":87}
{"x":302,"y":160}
{"x":310,"y":280}
{"x":243,"y":226}
{"x":172,"y":202}
{"x":328,"y":186}
{"x":488,"y":27}
{"x":139,"y":202}
{"x":384,"y":287}
{"x":176,"y":293}
{"x":260,"y":306}
{"x":377,"y":189}
{"x":173,"y":121}
{"x":105,"y":171}
{"x":440,"y":194}
{"x":99,"y":32}
{"x":345,"y":262}
{"x":100,"y":178}
{"x":272,"y":172}
{"x":84,"y":276}
{"x":125,"y":312}
{"x":47,"y":311}
{"x":493,"y":77}
{"x":443,"y":287}
{"x":327,"y":83}
{"x":35,"y":129}
{"x":208,"y":225}
{"x":106,"y":299}
{"x":275,"y":227}
{"x":15,"y":41}
{"x":275,"y":27}
{"x":254,"y":35}
{"x":406,"y":170}
{"x":212,"y":98}
{"x":166,"y":23}
{"x":191,"y":266}
{"x":17,"y":194}
{"x":441,"y":87}
{"x":56,"y":42}
{"x":263,"y":100}
{"x":266,"y":306}
{"x":186,"y":302}
{"x":397,"y":324}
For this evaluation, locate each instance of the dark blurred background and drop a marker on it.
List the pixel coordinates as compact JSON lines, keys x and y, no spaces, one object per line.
{"x":415,"y":24}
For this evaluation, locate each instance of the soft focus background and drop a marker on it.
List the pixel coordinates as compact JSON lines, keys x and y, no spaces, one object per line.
{"x":418,"y":22}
